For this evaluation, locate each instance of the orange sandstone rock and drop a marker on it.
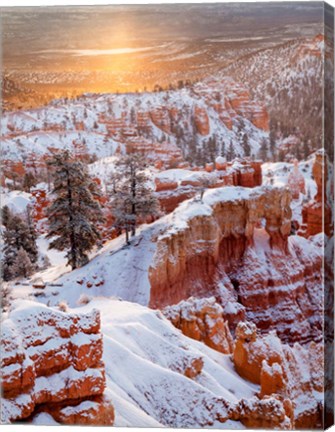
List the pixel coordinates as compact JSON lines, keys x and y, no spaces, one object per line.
{"x":203,"y":320}
{"x":49,"y":357}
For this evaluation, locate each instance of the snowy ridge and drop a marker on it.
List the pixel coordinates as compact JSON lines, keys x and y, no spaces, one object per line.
{"x":145,"y":354}
{"x":103,"y":124}
{"x":122,"y":271}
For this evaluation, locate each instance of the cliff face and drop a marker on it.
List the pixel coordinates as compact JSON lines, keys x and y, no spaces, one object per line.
{"x":51,"y":361}
{"x":295,"y":373}
{"x":235,"y":246}
{"x":234,"y":99}
{"x":316,"y":214}
{"x":290,"y":379}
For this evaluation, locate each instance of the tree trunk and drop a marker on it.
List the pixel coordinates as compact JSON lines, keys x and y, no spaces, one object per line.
{"x":127,"y":236}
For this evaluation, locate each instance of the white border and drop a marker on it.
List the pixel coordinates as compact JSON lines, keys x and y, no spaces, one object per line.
{"x":16,"y":3}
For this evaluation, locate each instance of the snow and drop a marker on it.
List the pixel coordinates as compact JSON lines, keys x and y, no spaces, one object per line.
{"x":56,"y":257}
{"x":122,"y":271}
{"x":17,"y":201}
{"x":145,"y":359}
{"x":220,"y":160}
{"x":145,"y":355}
{"x":44,"y":419}
{"x":58,"y":125}
{"x":277,"y":174}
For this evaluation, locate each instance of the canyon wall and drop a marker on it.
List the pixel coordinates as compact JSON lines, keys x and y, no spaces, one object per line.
{"x":292,"y":372}
{"x":317,"y":214}
{"x":236,"y":247}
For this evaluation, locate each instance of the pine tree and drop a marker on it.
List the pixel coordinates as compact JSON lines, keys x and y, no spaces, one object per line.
{"x":75,"y":212}
{"x":132,"y":198}
{"x":30,"y":223}
{"x":223,"y":149}
{"x":246,"y":145}
{"x":29,"y":180}
{"x":22,"y":266}
{"x":17,"y":236}
{"x":263,"y":151}
{"x":230,"y":152}
{"x":6,"y":215}
{"x":272,"y":137}
{"x":6,"y":296}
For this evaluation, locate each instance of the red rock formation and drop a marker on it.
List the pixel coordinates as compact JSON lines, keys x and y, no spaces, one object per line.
{"x":49,"y":357}
{"x":40,"y":204}
{"x":238,"y":173}
{"x":169,"y":200}
{"x":294,"y":373}
{"x":312,"y":47}
{"x":296,"y":182}
{"x":164,"y":184}
{"x":225,"y":249}
{"x":267,"y":413}
{"x":160,"y":118}
{"x":209,"y":167}
{"x":167,"y":153}
{"x":202,"y":320}
{"x":220,"y":237}
{"x":220,"y":163}
{"x":96,"y":411}
{"x":316,"y":214}
{"x":201,"y":120}
{"x":234,"y":99}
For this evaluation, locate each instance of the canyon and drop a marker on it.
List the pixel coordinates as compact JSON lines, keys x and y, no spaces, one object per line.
{"x":212,"y":315}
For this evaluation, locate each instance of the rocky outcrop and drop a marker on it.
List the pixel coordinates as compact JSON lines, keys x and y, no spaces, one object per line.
{"x":229,"y":98}
{"x":294,"y":373}
{"x":267,"y":413}
{"x":316,"y":214}
{"x":202,"y":320}
{"x":163,"y":154}
{"x":173,"y":187}
{"x":51,"y":360}
{"x":280,"y":289}
{"x":201,"y":120}
{"x":236,"y":247}
{"x":296,"y":182}
{"x":96,"y":411}
{"x":189,"y":260}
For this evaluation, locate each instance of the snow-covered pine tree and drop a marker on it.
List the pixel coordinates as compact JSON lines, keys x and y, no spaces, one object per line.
{"x":22,"y":266}
{"x":17,"y":235}
{"x":263,"y":150}
{"x":6,"y":215}
{"x":132,"y":196}
{"x":6,"y":296}
{"x":246,"y":146}
{"x":75,"y":211}
{"x":231,"y":152}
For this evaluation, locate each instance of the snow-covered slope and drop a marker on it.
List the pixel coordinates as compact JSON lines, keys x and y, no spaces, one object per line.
{"x":119,"y":270}
{"x":178,"y":123}
{"x":287,"y":78}
{"x":146,"y":356}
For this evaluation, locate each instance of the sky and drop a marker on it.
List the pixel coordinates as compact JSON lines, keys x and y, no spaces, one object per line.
{"x":33,"y":34}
